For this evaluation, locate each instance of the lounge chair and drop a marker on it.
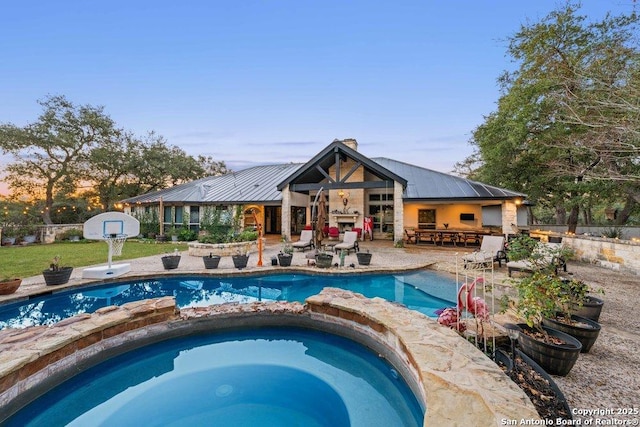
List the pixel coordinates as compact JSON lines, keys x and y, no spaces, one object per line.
{"x":544,"y":254}
{"x":491,"y":250}
{"x":350,"y":242}
{"x":305,"y":241}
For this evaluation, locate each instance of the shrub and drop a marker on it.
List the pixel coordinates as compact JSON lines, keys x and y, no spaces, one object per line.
{"x":71,"y":232}
{"x":187,"y":235}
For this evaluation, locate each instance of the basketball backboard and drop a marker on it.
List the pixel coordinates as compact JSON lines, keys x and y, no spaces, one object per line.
{"x":110,"y":223}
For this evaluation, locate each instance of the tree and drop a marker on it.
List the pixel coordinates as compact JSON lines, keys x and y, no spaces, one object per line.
{"x":70,"y":148}
{"x":50,"y":154}
{"x":539,"y":141}
{"x":127,"y":166}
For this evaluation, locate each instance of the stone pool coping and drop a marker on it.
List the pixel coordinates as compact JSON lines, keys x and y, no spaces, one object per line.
{"x":445,"y":372}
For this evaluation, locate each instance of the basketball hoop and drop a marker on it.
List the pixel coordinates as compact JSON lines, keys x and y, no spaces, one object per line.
{"x":115,"y":242}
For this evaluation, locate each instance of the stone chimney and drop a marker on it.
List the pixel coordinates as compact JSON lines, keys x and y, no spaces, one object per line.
{"x":351,"y":143}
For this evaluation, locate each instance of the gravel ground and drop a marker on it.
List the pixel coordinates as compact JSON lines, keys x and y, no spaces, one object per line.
{"x":606,"y":379}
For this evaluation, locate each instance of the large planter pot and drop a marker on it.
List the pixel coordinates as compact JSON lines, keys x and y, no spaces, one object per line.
{"x":9,"y":286}
{"x":240,"y":261}
{"x":285,"y":259}
{"x":364,"y":258}
{"x":31,"y":238}
{"x":211,"y":261}
{"x":324,"y":260}
{"x":501,"y":356}
{"x":57,"y":277}
{"x":170,"y":262}
{"x":584,"y":330}
{"x":554,"y":359}
{"x":591,"y":308}
{"x":8,"y":241}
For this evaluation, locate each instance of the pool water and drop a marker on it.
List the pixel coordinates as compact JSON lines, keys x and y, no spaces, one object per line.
{"x":424,"y":291}
{"x":262,"y":377}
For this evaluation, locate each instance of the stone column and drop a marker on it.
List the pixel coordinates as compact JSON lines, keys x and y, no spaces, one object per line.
{"x":509,"y":217}
{"x":398,"y":212}
{"x":286,"y":213}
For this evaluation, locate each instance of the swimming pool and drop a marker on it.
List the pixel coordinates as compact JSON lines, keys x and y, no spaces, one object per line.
{"x":424,"y":291}
{"x":268,"y":376}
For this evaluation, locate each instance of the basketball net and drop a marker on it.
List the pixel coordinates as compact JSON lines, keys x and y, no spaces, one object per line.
{"x":115,"y":242}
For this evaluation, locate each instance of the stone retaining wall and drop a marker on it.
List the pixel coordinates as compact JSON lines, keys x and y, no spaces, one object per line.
{"x":222,"y":249}
{"x":445,"y":371}
{"x":609,"y":253}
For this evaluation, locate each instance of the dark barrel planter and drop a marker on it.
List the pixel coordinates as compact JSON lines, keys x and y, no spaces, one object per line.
{"x":324,"y":260}
{"x":587,"y":335}
{"x":364,"y":258}
{"x":170,"y":262}
{"x":240,"y":261}
{"x":211,"y":261}
{"x":285,"y":259}
{"x":504,"y":357}
{"x":57,"y":277}
{"x":554,"y":359}
{"x":591,"y":308}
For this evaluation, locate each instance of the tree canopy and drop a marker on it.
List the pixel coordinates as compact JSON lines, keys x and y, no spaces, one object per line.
{"x":78,"y":149}
{"x":567,"y":127}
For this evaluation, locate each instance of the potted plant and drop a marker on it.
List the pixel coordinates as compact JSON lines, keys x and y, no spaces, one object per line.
{"x":211,"y":261}
{"x":539,"y":297}
{"x":8,"y":236}
{"x":9,"y":285}
{"x":584,"y":329}
{"x":72,"y":234}
{"x":57,"y":274}
{"x":582,"y":303}
{"x":28,"y":233}
{"x":286,"y":255}
{"x":240,"y":260}
{"x":324,"y":259}
{"x":171,"y":261}
{"x":364,"y":258}
{"x":590,"y":307}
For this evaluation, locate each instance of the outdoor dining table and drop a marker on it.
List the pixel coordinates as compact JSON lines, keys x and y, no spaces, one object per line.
{"x":455,"y":237}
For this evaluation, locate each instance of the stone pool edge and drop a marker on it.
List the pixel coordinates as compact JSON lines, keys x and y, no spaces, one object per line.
{"x":445,"y":372}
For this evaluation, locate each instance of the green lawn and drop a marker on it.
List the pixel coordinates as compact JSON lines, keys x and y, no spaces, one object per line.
{"x":25,"y":261}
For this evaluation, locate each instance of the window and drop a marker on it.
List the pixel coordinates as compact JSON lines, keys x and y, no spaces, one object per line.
{"x":194,"y":218}
{"x":427,"y":218}
{"x":381,"y":209}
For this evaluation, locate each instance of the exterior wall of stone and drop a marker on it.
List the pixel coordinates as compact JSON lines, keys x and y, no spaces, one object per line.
{"x":355,"y":197}
{"x":286,"y":213}
{"x":509,"y":217}
{"x":398,"y":213}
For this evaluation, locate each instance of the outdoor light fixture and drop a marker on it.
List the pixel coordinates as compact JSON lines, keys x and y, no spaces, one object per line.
{"x":513,"y":332}
{"x":344,"y":196}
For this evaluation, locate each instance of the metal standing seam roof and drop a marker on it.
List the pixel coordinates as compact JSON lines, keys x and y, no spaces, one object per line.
{"x":258,"y":184}
{"x":252,"y":185}
{"x":427,"y":184}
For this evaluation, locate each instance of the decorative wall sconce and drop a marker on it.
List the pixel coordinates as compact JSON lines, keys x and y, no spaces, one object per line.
{"x":344,"y":196}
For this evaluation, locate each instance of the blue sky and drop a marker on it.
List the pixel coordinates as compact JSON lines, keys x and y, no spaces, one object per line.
{"x":255,"y":82}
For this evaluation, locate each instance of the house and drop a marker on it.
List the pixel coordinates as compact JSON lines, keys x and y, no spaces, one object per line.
{"x":395,"y":195}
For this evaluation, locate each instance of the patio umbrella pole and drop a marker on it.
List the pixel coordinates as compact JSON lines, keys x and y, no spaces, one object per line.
{"x":314,"y":218}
